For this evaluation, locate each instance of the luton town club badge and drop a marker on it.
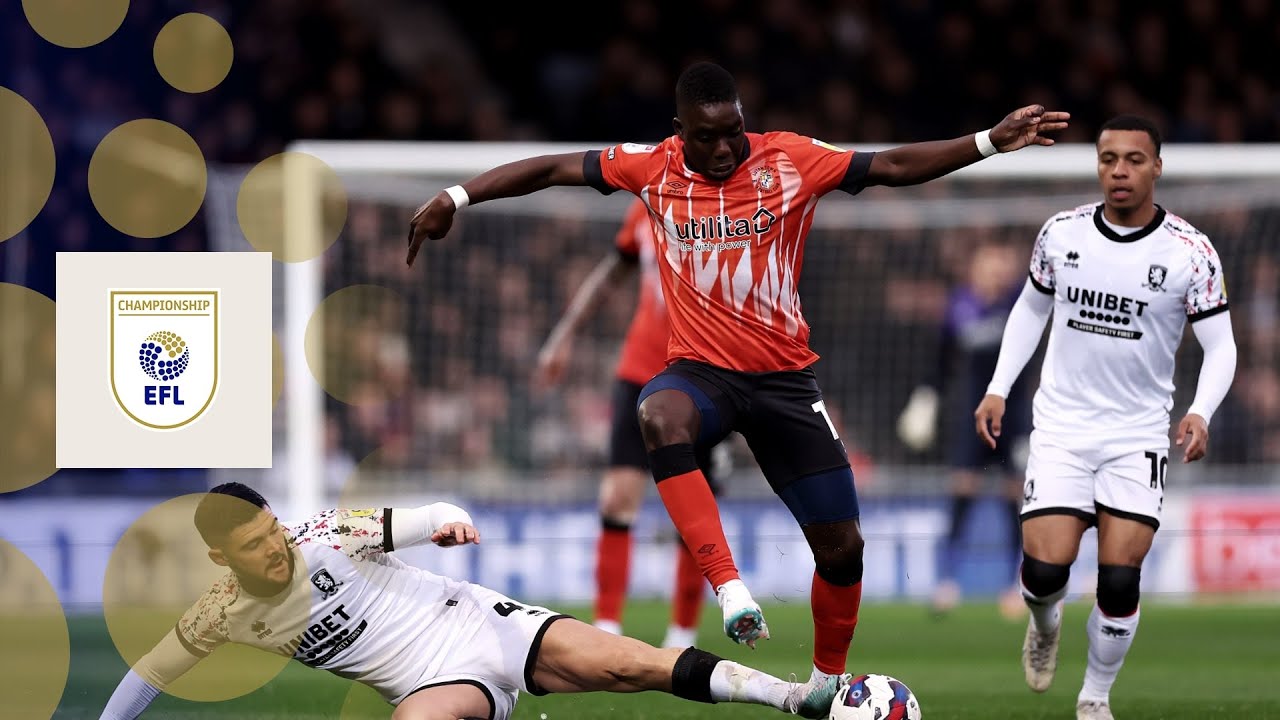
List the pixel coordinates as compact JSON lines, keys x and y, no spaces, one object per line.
{"x":164,"y":354}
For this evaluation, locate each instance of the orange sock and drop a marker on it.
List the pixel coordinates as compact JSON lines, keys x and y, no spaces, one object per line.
{"x":613,"y":567}
{"x":693,"y":509}
{"x":835,"y":615}
{"x":690,"y":587}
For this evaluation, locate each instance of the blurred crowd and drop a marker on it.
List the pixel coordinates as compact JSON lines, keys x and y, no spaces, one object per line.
{"x":452,"y":388}
{"x":844,"y":70}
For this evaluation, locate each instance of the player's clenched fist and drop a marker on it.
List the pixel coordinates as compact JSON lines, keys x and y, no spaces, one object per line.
{"x":432,"y":220}
{"x":1027,"y":126}
{"x":988,"y":415}
{"x":455,"y":533}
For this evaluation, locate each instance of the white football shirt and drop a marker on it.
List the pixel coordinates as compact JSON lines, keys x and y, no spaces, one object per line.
{"x":1121,"y":302}
{"x":350,"y":608}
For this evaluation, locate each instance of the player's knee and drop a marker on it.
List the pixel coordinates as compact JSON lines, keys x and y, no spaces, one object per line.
{"x":669,"y":461}
{"x":1043,"y":579}
{"x":840,"y":563}
{"x":1118,"y":591}
{"x":668,"y":417}
{"x":621,"y":495}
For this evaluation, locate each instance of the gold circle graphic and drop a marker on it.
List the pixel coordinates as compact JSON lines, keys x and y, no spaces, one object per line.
{"x":27,"y":375}
{"x":26,"y":163}
{"x":193,"y":53}
{"x":277,"y":370}
{"x":147,"y":178}
{"x":75,"y":23}
{"x":36,"y":654}
{"x":356,"y":339}
{"x":296,"y":227}
{"x":160,"y":575}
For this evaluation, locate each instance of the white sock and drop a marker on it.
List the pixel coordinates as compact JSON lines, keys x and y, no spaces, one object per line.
{"x":731,"y":682}
{"x":1109,"y":641}
{"x":1046,"y":612}
{"x":818,"y":677}
{"x":680,"y":637}
{"x":612,"y":627}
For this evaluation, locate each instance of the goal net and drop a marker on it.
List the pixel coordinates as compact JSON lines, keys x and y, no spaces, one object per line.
{"x":420,"y":381}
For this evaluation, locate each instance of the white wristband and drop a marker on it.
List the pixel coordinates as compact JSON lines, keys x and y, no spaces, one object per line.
{"x":460,"y":198}
{"x":983,"y":140}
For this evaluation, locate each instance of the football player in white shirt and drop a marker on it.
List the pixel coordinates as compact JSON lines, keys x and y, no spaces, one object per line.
{"x":328,"y":593}
{"x":1121,"y":278}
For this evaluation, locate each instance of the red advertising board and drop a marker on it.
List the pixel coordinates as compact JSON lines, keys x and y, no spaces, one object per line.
{"x":1236,"y":544}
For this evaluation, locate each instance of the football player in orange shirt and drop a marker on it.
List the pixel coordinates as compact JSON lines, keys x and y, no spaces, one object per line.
{"x":730,"y":211}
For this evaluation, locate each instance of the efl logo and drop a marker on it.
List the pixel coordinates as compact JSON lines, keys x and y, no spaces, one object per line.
{"x":164,"y":355}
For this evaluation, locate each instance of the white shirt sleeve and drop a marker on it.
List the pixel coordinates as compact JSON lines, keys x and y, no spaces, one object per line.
{"x":414,"y":526}
{"x":1022,"y":334}
{"x":1219,"y":367}
{"x":169,"y":660}
{"x":132,"y":696}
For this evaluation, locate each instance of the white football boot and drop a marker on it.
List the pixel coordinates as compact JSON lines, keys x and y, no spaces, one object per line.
{"x":1040,"y":656}
{"x":1093,"y":710}
{"x":743,"y":620}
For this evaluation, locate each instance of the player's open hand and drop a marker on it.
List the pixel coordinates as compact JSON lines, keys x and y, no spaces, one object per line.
{"x":1198,"y":429}
{"x":988,"y":416}
{"x":455,"y":533}
{"x":1027,"y":126}
{"x":432,"y":220}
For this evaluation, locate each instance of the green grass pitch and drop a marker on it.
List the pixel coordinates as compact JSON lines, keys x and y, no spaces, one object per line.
{"x":1187,"y":662}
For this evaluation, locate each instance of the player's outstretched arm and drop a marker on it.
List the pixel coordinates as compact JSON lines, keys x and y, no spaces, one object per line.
{"x":1217,"y":372}
{"x":514,"y":179}
{"x":441,"y":523}
{"x":167,"y":661}
{"x":921,"y":162}
{"x":553,"y":358}
{"x":1021,"y":338}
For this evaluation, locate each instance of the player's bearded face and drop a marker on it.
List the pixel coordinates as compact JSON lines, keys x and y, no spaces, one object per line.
{"x":1127,"y":168}
{"x":259,"y":553}
{"x":714,"y":138}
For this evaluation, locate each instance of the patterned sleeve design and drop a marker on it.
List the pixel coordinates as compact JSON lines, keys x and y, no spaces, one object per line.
{"x":1042,"y":262}
{"x":1206,"y":291}
{"x":204,"y":626}
{"x":358,"y":533}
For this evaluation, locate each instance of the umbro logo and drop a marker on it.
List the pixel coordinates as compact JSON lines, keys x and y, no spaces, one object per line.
{"x":676,"y":185}
{"x":707,"y":549}
{"x":1073,"y":259}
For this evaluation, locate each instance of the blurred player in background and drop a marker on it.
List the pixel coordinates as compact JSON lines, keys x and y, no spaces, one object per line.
{"x":976,"y":314}
{"x":329,"y":593}
{"x":622,"y":489}
{"x":1122,"y":278}
{"x":730,"y":212}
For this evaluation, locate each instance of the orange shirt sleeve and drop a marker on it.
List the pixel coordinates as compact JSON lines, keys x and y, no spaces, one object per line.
{"x":826,"y":167}
{"x":629,"y":166}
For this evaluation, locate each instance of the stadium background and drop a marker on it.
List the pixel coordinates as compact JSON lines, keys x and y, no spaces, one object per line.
{"x":442,"y":399}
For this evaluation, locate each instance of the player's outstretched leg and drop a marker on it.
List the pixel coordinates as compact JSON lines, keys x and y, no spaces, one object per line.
{"x":672,"y":420}
{"x":575,"y":657}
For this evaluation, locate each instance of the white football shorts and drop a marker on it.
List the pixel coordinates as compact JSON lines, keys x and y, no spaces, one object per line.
{"x":494,"y":646}
{"x":1063,"y":478}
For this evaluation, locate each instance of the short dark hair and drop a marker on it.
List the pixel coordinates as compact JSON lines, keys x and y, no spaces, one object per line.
{"x":705,"y":83}
{"x":1132,"y":122}
{"x":225,"y":508}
